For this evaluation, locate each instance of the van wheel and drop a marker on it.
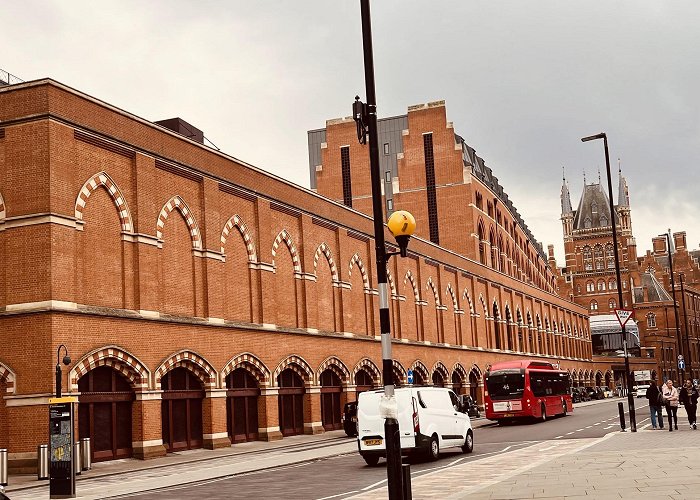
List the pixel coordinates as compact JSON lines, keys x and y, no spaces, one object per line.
{"x":543,"y":418}
{"x":564,"y":407}
{"x":434,"y":450}
{"x":371,"y":460}
{"x":468,"y":445}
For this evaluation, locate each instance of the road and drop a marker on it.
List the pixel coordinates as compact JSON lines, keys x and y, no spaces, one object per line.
{"x":346,"y":475}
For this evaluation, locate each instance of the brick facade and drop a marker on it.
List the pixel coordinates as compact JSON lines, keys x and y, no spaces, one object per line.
{"x":148,"y":253}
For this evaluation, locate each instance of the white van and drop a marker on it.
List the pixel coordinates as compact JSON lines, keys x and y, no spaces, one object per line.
{"x":430,"y":418}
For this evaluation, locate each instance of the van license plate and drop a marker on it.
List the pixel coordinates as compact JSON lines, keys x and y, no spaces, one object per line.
{"x":372,"y":442}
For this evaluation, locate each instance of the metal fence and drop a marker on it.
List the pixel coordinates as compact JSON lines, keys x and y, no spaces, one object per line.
{"x":7,"y":78}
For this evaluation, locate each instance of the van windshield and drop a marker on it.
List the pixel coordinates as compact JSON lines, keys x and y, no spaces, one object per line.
{"x":505,"y":384}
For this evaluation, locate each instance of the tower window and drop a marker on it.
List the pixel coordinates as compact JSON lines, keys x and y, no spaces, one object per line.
{"x":386,"y":148}
{"x":345,"y":165}
{"x":430,"y":188}
{"x":387,"y":176}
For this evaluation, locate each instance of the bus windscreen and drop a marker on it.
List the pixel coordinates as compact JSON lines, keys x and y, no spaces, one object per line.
{"x":505,"y":384}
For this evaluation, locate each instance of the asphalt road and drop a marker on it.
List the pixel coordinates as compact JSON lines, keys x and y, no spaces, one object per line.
{"x":346,"y":475}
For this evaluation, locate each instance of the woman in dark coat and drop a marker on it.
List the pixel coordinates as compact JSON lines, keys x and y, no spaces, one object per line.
{"x":655,"y":405}
{"x":689,"y":398}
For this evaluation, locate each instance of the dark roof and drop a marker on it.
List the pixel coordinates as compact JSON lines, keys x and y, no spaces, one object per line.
{"x":593,"y":209}
{"x":655,"y":290}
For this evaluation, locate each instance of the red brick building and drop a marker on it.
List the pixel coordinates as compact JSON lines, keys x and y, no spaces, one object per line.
{"x":589,"y":279}
{"x":204,"y":301}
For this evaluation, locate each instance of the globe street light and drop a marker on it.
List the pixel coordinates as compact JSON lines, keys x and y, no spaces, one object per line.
{"x":613,"y":218}
{"x":66,"y":361}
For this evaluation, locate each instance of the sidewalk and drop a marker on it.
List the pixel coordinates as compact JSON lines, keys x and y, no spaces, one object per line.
{"x":649,"y":464}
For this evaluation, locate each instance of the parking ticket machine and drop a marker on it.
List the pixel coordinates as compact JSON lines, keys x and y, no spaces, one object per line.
{"x":61,"y":470}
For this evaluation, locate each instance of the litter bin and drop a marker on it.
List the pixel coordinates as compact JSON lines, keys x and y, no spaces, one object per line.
{"x":86,"y":453}
{"x":3,"y":467}
{"x":77,"y":462}
{"x":42,"y":453}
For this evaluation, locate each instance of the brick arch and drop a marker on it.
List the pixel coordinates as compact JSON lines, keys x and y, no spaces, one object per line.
{"x":8,"y":376}
{"x":235,"y":221}
{"x":284,"y":236}
{"x":397,"y":366}
{"x":195,"y":363}
{"x":337,"y":366}
{"x":392,"y":284}
{"x":99,"y":179}
{"x":118,"y":359}
{"x":355,"y":259}
{"x":483,"y":304}
{"x":461,"y":372}
{"x":409,"y":277}
{"x":451,"y":293}
{"x":296,"y":363}
{"x":2,"y":208}
{"x":252,"y":364}
{"x":442,"y":369}
{"x":419,"y":366}
{"x":323,"y":249}
{"x":369,"y":366}
{"x":431,"y":286}
{"x":476,"y":371}
{"x":466,"y":295}
{"x":178,"y":203}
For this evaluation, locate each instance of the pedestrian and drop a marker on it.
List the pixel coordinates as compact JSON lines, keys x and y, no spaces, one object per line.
{"x":671,"y":400}
{"x":656,"y":402}
{"x":689,"y":397}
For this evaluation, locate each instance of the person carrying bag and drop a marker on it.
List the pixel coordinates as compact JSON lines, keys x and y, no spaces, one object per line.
{"x":670,"y":395}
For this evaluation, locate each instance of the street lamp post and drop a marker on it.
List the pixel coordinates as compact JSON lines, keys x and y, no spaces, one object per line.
{"x":613,"y":218}
{"x":679,"y":338}
{"x":402,"y":224}
{"x":66,"y":361}
{"x":689,"y":353}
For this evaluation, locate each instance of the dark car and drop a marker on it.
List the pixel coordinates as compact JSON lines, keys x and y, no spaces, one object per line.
{"x":470,"y":407}
{"x":575,"y":395}
{"x":349,"y":418}
{"x":583,"y":393}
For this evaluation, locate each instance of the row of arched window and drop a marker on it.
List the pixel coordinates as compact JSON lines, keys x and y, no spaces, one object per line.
{"x":598,"y":258}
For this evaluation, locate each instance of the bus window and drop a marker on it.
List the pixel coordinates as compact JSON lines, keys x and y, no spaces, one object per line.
{"x":504,"y":385}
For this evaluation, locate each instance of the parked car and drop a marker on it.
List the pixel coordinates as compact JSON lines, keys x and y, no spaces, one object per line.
{"x":599,"y":392}
{"x":430,"y":419}
{"x":575,"y":395}
{"x":349,"y":418}
{"x":470,"y":406}
{"x":608,"y":392}
{"x":642,"y":390}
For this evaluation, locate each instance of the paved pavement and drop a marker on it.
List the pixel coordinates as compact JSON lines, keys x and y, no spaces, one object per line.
{"x":650,"y":464}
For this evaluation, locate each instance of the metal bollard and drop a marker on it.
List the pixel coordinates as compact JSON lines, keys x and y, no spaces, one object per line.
{"x":3,"y":467}
{"x":621,"y":409}
{"x":406,"y":473}
{"x":86,"y":453}
{"x":42,"y":466}
{"x":77,"y":462}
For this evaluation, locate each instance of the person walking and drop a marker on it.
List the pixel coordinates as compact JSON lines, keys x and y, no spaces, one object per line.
{"x":656,"y":402}
{"x":670,"y":394}
{"x":689,"y":397}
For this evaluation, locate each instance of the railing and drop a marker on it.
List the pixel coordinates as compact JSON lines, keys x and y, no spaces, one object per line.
{"x":7,"y":78}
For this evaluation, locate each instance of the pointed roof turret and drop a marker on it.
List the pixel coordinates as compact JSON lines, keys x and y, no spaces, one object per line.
{"x":623,"y":197}
{"x":593,"y":208}
{"x":565,"y":197}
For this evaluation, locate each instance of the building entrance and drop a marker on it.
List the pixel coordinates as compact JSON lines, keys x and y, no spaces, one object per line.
{"x":242,"y":393}
{"x":181,"y":410}
{"x":291,"y":403}
{"x":331,"y":389}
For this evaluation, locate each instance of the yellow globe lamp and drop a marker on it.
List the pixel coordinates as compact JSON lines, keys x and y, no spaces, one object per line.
{"x":402,"y":225}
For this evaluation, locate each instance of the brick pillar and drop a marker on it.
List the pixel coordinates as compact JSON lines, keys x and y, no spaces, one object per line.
{"x":312,"y":411}
{"x":27,"y":427}
{"x":214,"y":419}
{"x":268,"y":414}
{"x":146,"y":433}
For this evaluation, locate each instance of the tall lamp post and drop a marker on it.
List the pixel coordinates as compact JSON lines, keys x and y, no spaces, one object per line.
{"x":401,"y":224}
{"x":613,"y":218}
{"x":679,"y":338}
{"x":689,"y":353}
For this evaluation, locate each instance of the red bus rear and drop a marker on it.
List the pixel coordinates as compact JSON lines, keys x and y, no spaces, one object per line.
{"x":526,"y":389}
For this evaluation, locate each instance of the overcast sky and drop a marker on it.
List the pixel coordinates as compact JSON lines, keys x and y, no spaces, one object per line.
{"x":523,"y":82}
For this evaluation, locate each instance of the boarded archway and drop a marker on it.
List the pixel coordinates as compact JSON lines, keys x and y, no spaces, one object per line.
{"x":181,"y":410}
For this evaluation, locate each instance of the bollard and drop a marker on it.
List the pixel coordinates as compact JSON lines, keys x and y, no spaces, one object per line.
{"x":406,"y":479}
{"x":3,"y":467}
{"x":86,"y":453}
{"x":621,"y":409}
{"x":77,"y":462}
{"x":42,"y":456}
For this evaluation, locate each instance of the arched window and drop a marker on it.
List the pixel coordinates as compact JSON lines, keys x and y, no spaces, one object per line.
{"x":587,"y":222}
{"x":601,"y":286}
{"x":590,"y":286}
{"x":612,"y":284}
{"x":578,"y":289}
{"x":651,"y":320}
{"x":603,"y":221}
{"x":612,"y":304}
{"x":594,"y":207}
{"x":610,"y":256}
{"x":594,"y":305}
{"x":587,"y":258}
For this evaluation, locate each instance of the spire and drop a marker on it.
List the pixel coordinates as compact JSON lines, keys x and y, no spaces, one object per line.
{"x":623,"y":197}
{"x":565,"y":197}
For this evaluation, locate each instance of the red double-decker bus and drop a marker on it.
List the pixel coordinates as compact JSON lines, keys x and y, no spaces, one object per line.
{"x":526,"y":389}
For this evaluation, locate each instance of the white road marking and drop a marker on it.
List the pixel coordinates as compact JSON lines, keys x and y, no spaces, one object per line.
{"x":373,"y":485}
{"x":339,"y":495}
{"x":608,"y":427}
{"x":547,"y":448}
{"x":558,"y":437}
{"x":579,"y":430}
{"x":569,"y":433}
{"x":456,"y":461}
{"x":505,"y":449}
{"x":597,"y":423}
{"x":588,"y":426}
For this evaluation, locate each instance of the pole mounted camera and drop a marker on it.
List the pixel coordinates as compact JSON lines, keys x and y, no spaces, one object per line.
{"x":359,"y":114}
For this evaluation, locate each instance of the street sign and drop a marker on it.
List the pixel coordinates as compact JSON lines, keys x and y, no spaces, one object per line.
{"x":623,"y":315}
{"x":681,"y":364}
{"x":409,"y":376}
